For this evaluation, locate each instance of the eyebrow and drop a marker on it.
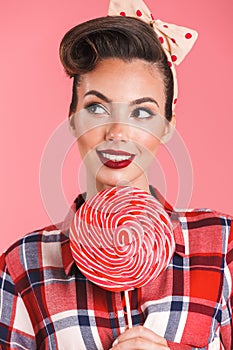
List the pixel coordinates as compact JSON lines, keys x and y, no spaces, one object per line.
{"x":144,"y":99}
{"x":98,"y":94}
{"x":138,"y":101}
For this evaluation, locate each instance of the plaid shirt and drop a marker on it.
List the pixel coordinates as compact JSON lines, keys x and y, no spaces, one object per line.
{"x":46,"y":303}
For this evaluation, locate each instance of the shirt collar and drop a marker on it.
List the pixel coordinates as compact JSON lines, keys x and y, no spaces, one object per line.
{"x":67,"y":258}
{"x":175,"y":219}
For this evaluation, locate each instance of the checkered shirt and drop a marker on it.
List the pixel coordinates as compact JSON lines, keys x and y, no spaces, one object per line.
{"x":46,"y":302}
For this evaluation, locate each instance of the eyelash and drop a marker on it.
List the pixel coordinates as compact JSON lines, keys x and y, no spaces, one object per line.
{"x":98,"y":105}
{"x":132,"y":114}
{"x":147,"y":110}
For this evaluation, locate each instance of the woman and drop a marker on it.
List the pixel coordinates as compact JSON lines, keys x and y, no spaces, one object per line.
{"x":122,"y":108}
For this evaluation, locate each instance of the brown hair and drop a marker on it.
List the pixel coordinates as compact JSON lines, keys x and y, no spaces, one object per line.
{"x":121,"y":37}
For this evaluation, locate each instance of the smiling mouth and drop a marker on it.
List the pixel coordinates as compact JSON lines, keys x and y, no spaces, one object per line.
{"x":115,"y":159}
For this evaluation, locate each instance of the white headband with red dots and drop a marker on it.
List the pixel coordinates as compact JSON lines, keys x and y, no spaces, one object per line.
{"x":176,"y":41}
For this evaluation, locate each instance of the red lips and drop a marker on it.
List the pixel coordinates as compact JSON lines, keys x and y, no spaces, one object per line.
{"x":115,"y":159}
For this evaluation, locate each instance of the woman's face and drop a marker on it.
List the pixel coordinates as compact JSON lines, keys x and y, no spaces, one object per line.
{"x":119,"y":122}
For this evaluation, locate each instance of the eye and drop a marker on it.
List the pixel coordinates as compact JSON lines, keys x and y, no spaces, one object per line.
{"x":96,"y":108}
{"x":142,"y":113}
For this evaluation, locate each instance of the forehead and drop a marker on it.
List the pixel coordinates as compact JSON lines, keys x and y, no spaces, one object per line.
{"x":123,"y":81}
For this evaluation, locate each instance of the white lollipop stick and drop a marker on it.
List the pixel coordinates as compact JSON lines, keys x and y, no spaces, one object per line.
{"x":129,"y":317}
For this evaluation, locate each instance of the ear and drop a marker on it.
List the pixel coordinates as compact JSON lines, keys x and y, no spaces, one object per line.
{"x":169,"y":129}
{"x":72,"y":125}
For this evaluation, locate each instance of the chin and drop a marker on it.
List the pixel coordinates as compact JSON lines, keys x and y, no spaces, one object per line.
{"x":127,"y":177}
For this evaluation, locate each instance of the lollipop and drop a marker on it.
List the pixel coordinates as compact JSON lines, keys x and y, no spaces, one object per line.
{"x":121,"y":239}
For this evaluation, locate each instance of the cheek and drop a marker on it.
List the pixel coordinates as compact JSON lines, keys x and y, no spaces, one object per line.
{"x":148,"y":142}
{"x":152,"y":147}
{"x":89,"y":141}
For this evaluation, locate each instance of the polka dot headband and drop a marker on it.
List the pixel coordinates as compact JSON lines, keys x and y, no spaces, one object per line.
{"x":176,"y":41}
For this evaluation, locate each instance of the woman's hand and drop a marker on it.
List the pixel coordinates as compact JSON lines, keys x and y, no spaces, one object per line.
{"x":139,"y":338}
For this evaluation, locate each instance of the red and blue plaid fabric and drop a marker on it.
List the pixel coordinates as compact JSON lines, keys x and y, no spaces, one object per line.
{"x":46,"y":303}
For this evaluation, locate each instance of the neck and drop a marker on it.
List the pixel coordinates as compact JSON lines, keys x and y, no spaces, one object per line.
{"x":94,"y":186}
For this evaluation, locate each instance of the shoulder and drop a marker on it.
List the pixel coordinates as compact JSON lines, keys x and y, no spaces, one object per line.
{"x":203,"y":217}
{"x":206,"y":230}
{"x":34,"y":251}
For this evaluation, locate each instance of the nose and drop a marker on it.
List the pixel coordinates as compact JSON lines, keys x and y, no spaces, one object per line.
{"x":118,"y":129}
{"x":117,"y":132}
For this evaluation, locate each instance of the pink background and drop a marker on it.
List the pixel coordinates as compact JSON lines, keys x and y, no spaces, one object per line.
{"x":35,"y":95}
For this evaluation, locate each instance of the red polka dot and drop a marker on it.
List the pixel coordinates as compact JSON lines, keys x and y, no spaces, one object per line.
{"x":175,"y":101}
{"x":170,"y":64}
{"x":165,"y":26}
{"x":161,"y":39}
{"x":173,"y":40}
{"x":152,"y":17}
{"x":122,"y":13}
{"x":138,"y":13}
{"x":174,"y":58}
{"x":188,"y":36}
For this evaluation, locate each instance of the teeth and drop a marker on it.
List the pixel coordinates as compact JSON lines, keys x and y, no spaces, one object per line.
{"x":114,"y":157}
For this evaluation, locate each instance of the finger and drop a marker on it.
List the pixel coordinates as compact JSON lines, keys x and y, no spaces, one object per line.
{"x":138,"y":344}
{"x":141,"y":332}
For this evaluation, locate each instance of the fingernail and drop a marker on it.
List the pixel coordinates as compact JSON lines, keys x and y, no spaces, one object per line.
{"x":115,"y":342}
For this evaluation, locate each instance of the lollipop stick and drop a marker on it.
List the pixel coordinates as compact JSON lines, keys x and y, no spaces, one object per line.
{"x":129,"y":317}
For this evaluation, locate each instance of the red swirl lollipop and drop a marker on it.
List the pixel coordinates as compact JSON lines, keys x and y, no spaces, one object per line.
{"x":122,"y":238}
